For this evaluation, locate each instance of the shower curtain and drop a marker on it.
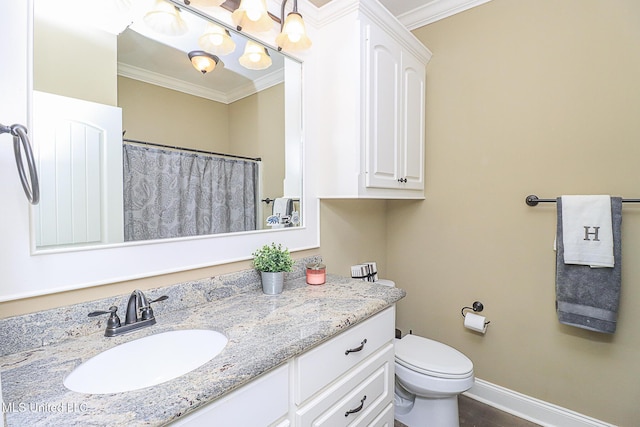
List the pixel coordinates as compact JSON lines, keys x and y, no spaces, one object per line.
{"x":175,"y":194}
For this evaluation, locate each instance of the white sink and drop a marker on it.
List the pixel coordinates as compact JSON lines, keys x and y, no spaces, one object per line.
{"x":146,"y":362}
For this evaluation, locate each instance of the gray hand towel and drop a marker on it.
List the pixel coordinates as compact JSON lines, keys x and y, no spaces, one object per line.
{"x":589,"y":297}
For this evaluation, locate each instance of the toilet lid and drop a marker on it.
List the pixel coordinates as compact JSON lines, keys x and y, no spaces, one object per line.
{"x":432,"y":358}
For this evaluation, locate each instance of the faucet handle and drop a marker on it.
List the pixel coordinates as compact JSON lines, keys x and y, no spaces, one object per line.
{"x":114,"y":320}
{"x":162,"y":298}
{"x":146,"y":312}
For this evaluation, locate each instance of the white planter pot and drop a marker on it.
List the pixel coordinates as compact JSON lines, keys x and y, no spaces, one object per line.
{"x":272,"y":283}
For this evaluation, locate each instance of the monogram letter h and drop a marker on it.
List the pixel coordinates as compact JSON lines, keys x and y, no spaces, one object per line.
{"x":588,"y":233}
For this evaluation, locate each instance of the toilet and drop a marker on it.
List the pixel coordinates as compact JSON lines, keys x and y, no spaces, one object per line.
{"x":429,"y":377}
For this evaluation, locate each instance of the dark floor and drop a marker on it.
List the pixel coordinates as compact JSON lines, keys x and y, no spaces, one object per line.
{"x":476,"y":414}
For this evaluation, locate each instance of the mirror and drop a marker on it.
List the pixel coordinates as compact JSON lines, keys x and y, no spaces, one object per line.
{"x":101,"y":72}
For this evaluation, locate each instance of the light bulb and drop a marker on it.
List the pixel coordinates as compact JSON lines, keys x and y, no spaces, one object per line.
{"x":255,"y":57}
{"x":216,"y":40}
{"x":293,"y":35}
{"x":165,"y":19}
{"x":252,"y":15}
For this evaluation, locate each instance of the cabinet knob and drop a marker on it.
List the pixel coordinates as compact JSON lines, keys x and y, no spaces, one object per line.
{"x":402,"y":179}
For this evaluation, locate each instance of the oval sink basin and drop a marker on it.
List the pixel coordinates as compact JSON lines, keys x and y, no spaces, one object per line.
{"x":146,"y":362}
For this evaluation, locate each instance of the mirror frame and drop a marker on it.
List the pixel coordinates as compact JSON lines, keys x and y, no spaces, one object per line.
{"x":31,"y":274}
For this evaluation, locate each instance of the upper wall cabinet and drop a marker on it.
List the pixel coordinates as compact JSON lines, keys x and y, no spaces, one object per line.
{"x":373,"y":138}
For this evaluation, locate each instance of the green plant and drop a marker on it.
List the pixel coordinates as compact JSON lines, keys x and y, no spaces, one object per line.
{"x":272,"y":258}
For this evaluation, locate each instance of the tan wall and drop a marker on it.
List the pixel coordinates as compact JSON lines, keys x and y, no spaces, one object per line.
{"x":156,"y":114}
{"x":77,"y":62}
{"x":352,"y":232}
{"x":525,"y":97}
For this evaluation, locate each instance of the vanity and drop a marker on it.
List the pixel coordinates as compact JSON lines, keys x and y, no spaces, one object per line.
{"x":291,"y":360}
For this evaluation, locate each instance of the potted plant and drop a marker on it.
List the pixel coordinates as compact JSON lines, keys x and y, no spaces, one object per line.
{"x":272,"y":261}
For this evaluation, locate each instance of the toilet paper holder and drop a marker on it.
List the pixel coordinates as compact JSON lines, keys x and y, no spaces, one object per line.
{"x":477,"y":307}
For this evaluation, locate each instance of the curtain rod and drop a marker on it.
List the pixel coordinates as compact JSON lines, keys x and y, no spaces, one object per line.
{"x":191,"y":150}
{"x":533,"y":200}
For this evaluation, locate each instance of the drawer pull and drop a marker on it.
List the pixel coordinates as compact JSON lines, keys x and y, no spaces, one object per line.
{"x":358,"y":409}
{"x":357,"y":349}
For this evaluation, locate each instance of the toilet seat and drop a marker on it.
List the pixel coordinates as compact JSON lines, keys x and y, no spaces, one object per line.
{"x":432,"y":358}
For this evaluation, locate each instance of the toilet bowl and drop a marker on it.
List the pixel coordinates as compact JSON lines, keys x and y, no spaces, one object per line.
{"x":429,"y":377}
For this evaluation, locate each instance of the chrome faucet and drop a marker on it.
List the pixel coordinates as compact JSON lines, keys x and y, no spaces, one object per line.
{"x":139,"y":314}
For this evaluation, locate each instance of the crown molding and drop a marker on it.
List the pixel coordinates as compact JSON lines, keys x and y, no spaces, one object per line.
{"x":436,"y":10}
{"x":172,"y":83}
{"x":167,"y":82}
{"x":255,"y":86}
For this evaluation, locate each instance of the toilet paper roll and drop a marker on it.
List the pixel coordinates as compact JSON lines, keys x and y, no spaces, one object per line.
{"x":475,"y":322}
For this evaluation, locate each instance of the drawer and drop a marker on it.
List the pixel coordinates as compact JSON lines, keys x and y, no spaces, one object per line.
{"x":357,"y":398}
{"x":319,"y":367}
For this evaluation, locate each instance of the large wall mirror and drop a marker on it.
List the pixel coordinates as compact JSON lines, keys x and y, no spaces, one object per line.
{"x":86,"y":67}
{"x":136,"y":142}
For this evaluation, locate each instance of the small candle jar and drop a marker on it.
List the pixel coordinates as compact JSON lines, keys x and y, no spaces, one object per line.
{"x":316,"y":274}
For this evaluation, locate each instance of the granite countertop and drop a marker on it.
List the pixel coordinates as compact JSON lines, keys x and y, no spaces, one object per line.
{"x":264,"y":331}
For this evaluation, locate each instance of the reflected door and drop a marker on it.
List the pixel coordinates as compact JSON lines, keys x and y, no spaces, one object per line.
{"x":80,"y":164}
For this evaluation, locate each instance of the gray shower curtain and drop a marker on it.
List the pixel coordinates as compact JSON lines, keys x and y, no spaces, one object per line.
{"x":171,"y":193}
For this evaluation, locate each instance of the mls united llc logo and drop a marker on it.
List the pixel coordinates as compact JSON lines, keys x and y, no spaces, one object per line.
{"x":67,"y":407}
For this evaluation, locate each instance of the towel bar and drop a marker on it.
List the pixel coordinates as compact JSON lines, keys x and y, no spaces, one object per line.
{"x":533,"y":200}
{"x":269,"y":200}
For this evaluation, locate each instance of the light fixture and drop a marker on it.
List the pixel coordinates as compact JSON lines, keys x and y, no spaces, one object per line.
{"x":217,"y":40}
{"x":252,"y":15}
{"x":203,"y":61}
{"x":293,"y":35}
{"x":255,"y":57}
{"x":165,"y":19}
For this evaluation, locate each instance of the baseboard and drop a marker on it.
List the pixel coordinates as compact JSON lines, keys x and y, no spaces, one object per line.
{"x":529,"y":408}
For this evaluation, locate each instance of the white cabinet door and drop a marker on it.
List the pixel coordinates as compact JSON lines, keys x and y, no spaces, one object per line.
{"x":382,"y":100}
{"x":395,"y":114}
{"x":413,"y":122}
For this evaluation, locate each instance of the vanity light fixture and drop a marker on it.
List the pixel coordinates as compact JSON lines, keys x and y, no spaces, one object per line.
{"x":252,"y":15}
{"x":293,"y":34}
{"x":255,"y":57}
{"x":217,"y":40}
{"x":203,"y":61}
{"x":165,"y":19}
